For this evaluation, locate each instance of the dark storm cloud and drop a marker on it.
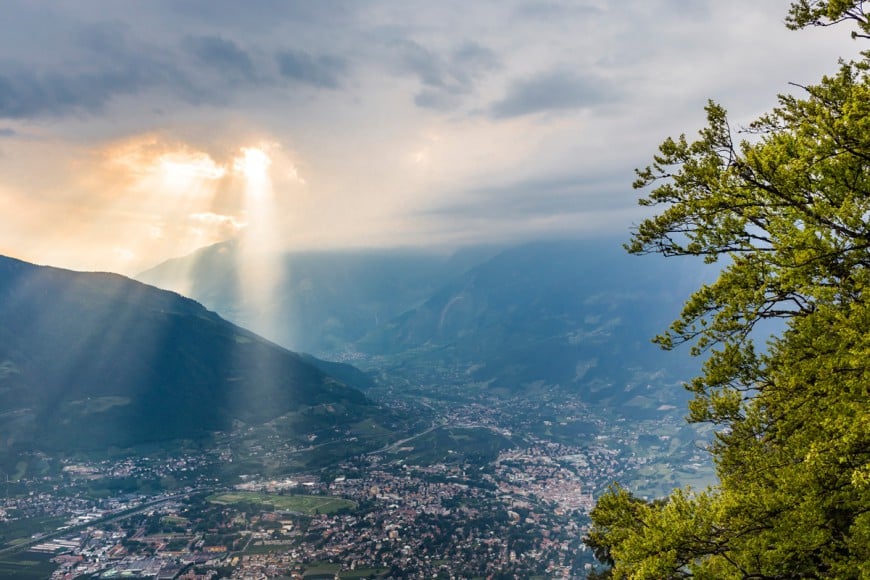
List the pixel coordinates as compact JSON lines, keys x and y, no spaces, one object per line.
{"x":322,"y":71}
{"x":77,"y":61}
{"x":26,"y":94}
{"x":551,"y":91}
{"x":100,"y":62}
{"x":222,"y":55}
{"x":445,"y":78}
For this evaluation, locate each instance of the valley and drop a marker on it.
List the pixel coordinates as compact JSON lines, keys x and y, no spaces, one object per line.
{"x":467,"y":435}
{"x":492,"y":486}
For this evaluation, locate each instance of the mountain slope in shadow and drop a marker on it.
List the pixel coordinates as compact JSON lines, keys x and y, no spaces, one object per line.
{"x":92,"y":360}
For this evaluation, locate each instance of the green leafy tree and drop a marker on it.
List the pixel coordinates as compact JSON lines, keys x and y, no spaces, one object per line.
{"x":827,"y":12}
{"x":787,"y":210}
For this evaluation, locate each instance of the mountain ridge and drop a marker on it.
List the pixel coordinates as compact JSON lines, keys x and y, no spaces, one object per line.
{"x":573,"y":313}
{"x":91,"y":360}
{"x":326,"y":299}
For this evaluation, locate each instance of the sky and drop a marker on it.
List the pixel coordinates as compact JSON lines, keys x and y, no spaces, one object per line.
{"x":134,"y":132}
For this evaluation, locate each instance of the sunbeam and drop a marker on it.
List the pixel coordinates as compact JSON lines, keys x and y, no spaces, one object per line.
{"x":259,"y":264}
{"x":254,"y":165}
{"x":259,"y":270}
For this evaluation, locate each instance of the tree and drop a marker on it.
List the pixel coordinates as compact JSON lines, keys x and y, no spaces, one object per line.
{"x":827,"y":12}
{"x":787,"y":210}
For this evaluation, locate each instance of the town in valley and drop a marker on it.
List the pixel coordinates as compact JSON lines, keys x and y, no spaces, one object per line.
{"x":474,"y":494}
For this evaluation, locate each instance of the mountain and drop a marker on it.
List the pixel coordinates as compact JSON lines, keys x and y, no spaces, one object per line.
{"x":325,"y":300}
{"x":92,"y":360}
{"x":579,"y":314}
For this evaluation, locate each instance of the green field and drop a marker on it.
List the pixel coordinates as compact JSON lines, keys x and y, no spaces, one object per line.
{"x":27,"y":566}
{"x":453,"y":445}
{"x":363,"y":573}
{"x":327,"y":570}
{"x":20,"y":470}
{"x":306,"y":504}
{"x":254,"y":549}
{"x":13,"y":532}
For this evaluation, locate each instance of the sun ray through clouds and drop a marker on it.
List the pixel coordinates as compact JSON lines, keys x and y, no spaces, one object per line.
{"x":259,"y":262}
{"x":259,"y":267}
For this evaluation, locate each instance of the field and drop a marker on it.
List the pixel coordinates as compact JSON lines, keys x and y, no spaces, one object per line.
{"x":319,"y":570}
{"x":363,"y":573}
{"x":453,"y":445}
{"x":18,"y":531}
{"x":306,"y":504}
{"x":255,"y":549}
{"x":27,"y":566}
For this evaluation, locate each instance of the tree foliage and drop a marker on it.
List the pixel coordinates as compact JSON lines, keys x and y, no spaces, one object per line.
{"x":787,"y":211}
{"x":827,"y":12}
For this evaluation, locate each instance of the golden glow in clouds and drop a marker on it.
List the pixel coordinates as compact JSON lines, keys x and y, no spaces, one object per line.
{"x":253,"y":164}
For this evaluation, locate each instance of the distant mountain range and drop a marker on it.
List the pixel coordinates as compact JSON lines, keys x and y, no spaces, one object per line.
{"x":93,"y":360}
{"x":578,"y":314}
{"x":325,"y":299}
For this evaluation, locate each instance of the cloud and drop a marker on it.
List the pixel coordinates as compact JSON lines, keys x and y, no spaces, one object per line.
{"x":422,"y":63}
{"x":322,"y":71}
{"x":222,"y":55}
{"x":470,"y":61}
{"x":446,"y":79}
{"x":437,"y":100}
{"x":552,"y":91}
{"x":217,"y":226}
{"x":363,"y":81}
{"x":103,"y":40}
{"x":253,"y":20}
{"x":101,"y":63}
{"x":26,"y":94}
{"x":550,"y":11}
{"x":539,"y":197}
{"x":533,"y":208}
